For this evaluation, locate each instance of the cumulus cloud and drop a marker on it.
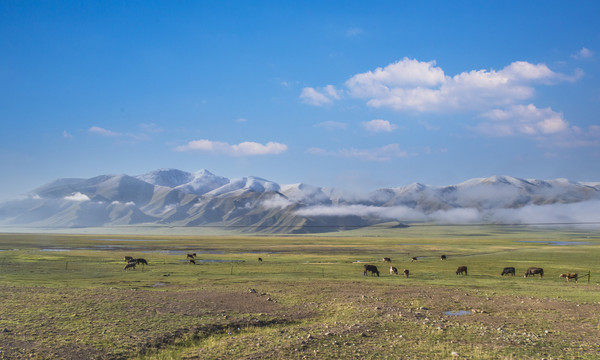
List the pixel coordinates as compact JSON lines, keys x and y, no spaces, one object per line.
{"x":384,"y":153}
{"x":523,"y":119}
{"x":246,"y":148}
{"x":77,"y":197}
{"x":103,"y":132}
{"x":378,"y":126}
{"x":421,"y":86}
{"x":320,"y":97}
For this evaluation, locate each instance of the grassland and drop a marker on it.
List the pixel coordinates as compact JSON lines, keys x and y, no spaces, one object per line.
{"x":67,"y":296}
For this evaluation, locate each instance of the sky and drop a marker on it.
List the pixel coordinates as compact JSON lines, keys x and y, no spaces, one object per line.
{"x":346,"y":94}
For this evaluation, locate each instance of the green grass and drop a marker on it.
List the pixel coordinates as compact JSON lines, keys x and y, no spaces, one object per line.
{"x":83,"y":300}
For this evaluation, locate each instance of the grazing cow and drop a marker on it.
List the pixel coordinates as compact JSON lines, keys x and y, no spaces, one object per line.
{"x":141,"y":261}
{"x":406,"y":273}
{"x":443,"y":257}
{"x":569,"y":276}
{"x":461,"y":270}
{"x":534,"y":271}
{"x":191,"y":256}
{"x":508,"y":271}
{"x":372,"y":269}
{"x":387,"y":260}
{"x":414,"y":258}
{"x":393,"y":270}
{"x":192,"y":261}
{"x":260,"y":259}
{"x":128,"y":258}
{"x":130,"y":265}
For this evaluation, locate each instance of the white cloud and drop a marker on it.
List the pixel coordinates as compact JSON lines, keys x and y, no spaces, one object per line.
{"x":277,"y":202}
{"x":393,"y":212}
{"x":384,"y":153}
{"x":575,"y":213}
{"x":66,"y":135}
{"x":241,"y":120}
{"x":320,"y":97}
{"x":103,"y":132}
{"x":523,"y":119}
{"x":412,"y":85}
{"x":77,"y":197}
{"x":378,"y":126}
{"x":246,"y":148}
{"x":584,"y":53}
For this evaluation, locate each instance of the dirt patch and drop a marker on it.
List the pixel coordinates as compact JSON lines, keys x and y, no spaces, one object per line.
{"x":45,"y":323}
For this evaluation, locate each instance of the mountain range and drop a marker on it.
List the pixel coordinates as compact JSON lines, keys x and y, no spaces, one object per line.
{"x":172,"y":197}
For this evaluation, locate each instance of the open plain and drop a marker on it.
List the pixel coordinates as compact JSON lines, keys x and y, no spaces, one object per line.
{"x":67,"y":295}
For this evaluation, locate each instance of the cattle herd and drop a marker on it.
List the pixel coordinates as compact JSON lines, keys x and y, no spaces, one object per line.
{"x":462,"y":270}
{"x":372,"y":269}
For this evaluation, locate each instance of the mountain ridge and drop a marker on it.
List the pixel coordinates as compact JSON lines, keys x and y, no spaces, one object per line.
{"x":177,"y":198}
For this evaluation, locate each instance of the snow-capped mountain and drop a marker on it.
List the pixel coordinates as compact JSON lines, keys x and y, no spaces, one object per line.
{"x":178,"y":198}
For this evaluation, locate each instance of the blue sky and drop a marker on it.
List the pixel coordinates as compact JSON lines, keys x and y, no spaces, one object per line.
{"x":356,"y":95}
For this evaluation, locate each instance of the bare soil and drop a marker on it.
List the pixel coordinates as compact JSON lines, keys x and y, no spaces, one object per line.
{"x":101,"y":323}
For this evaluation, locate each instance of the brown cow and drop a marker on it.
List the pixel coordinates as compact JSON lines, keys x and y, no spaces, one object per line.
{"x":534,"y":271}
{"x":372,"y":269}
{"x":569,"y":276}
{"x":406,"y":272}
{"x":393,"y":270}
{"x":461,"y":270}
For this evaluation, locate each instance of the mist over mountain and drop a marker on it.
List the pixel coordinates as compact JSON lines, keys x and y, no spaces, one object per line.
{"x":172,"y":197}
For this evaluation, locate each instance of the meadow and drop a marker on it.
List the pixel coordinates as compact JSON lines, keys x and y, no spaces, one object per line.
{"x":67,"y":295}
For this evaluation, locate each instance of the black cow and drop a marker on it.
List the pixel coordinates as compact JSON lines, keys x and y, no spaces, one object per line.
{"x":191,"y":256}
{"x":443,"y":257}
{"x":461,"y":270}
{"x":508,"y":271}
{"x":406,"y":272}
{"x":386,"y":259}
{"x":141,"y":261}
{"x":393,"y":270}
{"x":130,"y":265}
{"x":372,"y":269}
{"x":128,"y":258}
{"x":534,"y":271}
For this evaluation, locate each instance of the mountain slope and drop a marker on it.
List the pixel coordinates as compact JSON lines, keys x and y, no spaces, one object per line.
{"x":177,"y":198}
